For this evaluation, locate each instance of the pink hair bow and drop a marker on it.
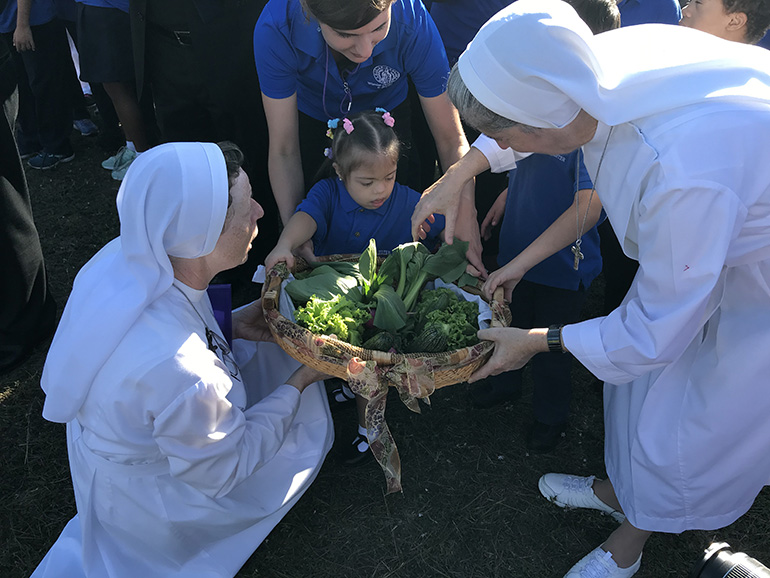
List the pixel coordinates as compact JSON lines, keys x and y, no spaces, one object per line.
{"x":347,"y":125}
{"x":389,"y":120}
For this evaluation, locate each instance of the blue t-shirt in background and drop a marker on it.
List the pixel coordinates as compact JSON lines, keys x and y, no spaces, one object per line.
{"x":41,"y":12}
{"x":540,"y":189}
{"x":649,"y":11}
{"x":346,"y":227}
{"x":292,"y":56}
{"x":458,"y":21}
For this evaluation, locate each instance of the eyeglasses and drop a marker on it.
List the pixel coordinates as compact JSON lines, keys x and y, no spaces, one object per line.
{"x":215,"y":342}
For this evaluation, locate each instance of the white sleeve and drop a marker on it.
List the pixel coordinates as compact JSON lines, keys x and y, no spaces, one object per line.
{"x":500,"y":160}
{"x":214,"y":446}
{"x":684,"y":236}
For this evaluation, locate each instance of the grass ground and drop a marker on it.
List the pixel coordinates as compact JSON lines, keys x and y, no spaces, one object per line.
{"x":470,"y":506}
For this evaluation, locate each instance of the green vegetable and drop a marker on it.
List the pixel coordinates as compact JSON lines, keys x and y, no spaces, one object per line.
{"x":337,"y":316}
{"x":448,"y":262}
{"x":390,"y":313}
{"x":324,"y":282}
{"x":345,"y":268}
{"x":443,"y":322}
{"x":384,"y":341}
{"x":433,"y":338}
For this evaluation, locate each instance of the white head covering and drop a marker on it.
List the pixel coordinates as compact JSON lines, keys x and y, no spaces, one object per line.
{"x":536,"y":62}
{"x":173,"y":201}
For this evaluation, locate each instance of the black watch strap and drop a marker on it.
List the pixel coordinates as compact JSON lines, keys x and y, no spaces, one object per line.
{"x":554,"y":339}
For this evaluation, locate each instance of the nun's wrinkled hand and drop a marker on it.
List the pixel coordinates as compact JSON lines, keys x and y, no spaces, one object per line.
{"x":249,"y":323}
{"x":443,"y":198}
{"x":513,"y":349}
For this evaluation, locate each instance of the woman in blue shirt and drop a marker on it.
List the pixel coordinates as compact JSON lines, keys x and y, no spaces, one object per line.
{"x":317,"y":60}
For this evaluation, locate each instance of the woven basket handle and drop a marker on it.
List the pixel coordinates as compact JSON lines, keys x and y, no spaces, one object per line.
{"x":498,"y":300}
{"x":270,"y":289}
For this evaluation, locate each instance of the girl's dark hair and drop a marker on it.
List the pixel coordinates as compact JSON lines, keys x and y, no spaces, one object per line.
{"x":345,"y":14}
{"x":370,"y":135}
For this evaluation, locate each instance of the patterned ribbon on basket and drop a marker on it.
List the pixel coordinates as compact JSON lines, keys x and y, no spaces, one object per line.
{"x":413,"y":378}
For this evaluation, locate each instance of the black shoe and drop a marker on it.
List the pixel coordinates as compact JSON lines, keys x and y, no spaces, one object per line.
{"x":543,"y":438}
{"x":493,"y":391}
{"x":351,"y":455}
{"x":339,"y":394}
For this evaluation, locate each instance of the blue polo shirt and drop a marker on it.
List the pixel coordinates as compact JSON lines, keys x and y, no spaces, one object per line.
{"x":121,"y":5}
{"x":765,"y":41}
{"x":458,"y":21}
{"x":41,"y":12}
{"x":540,"y":189}
{"x":346,"y":227}
{"x":292,"y":56}
{"x":649,"y":11}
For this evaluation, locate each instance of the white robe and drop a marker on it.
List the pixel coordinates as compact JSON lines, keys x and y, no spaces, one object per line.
{"x":177,"y":468}
{"x":685,"y":358}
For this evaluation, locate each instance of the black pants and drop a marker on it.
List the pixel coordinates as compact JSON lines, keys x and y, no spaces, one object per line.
{"x":27,"y":311}
{"x":45,"y":106}
{"x":535,"y":305}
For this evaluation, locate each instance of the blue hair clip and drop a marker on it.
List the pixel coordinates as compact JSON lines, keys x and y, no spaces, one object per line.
{"x":332,"y":123}
{"x":379,"y":109}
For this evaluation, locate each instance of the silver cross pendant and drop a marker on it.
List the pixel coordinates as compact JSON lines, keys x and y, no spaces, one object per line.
{"x":578,"y":255}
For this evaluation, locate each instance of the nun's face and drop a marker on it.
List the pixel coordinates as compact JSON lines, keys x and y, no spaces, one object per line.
{"x":551,"y":141}
{"x":241,"y":224}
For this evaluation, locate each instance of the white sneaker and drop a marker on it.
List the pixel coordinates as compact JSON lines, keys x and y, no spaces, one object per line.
{"x":599,"y":564}
{"x":124,"y":157}
{"x":575,"y":492}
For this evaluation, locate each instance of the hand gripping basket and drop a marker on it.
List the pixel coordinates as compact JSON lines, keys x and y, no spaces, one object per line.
{"x":368,"y":372}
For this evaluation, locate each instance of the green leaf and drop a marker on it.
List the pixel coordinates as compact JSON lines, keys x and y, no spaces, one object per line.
{"x":390,"y":313}
{"x":323,"y":286}
{"x":367,"y":266}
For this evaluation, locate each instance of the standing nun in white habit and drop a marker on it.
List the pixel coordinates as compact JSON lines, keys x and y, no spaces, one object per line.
{"x":675,"y":128}
{"x":183,"y":453}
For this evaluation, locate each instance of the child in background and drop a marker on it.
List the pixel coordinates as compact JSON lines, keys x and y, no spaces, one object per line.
{"x":363,"y":202}
{"x":552,"y":291}
{"x":737,"y":20}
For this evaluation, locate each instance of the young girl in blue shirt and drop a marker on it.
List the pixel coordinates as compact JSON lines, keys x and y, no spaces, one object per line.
{"x":362,"y":202}
{"x":320,"y":59}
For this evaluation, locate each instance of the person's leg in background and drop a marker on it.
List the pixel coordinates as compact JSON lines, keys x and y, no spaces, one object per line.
{"x":27,"y":309}
{"x":49,"y":114}
{"x":552,"y":372}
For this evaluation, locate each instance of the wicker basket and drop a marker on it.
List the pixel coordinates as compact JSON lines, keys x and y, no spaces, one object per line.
{"x":330,"y":355}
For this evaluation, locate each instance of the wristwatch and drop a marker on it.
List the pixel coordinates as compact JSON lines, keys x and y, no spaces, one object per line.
{"x":553,"y":337}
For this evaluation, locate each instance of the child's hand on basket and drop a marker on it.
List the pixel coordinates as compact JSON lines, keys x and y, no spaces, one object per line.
{"x":278,"y":254}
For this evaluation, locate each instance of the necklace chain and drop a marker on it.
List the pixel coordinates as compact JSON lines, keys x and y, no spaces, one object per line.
{"x":193,"y":307}
{"x":580,"y":227}
{"x":216,"y":342}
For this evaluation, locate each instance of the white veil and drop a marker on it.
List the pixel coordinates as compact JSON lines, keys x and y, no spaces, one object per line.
{"x":173,"y":201}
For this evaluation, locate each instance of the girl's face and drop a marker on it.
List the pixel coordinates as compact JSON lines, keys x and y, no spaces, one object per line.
{"x":371,"y":183}
{"x":357,"y":45}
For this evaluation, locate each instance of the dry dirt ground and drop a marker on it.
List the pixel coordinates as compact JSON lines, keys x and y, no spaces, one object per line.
{"x":470,"y":505}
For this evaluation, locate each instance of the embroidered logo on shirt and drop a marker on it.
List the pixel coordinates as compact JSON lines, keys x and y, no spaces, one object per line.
{"x":384,"y":75}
